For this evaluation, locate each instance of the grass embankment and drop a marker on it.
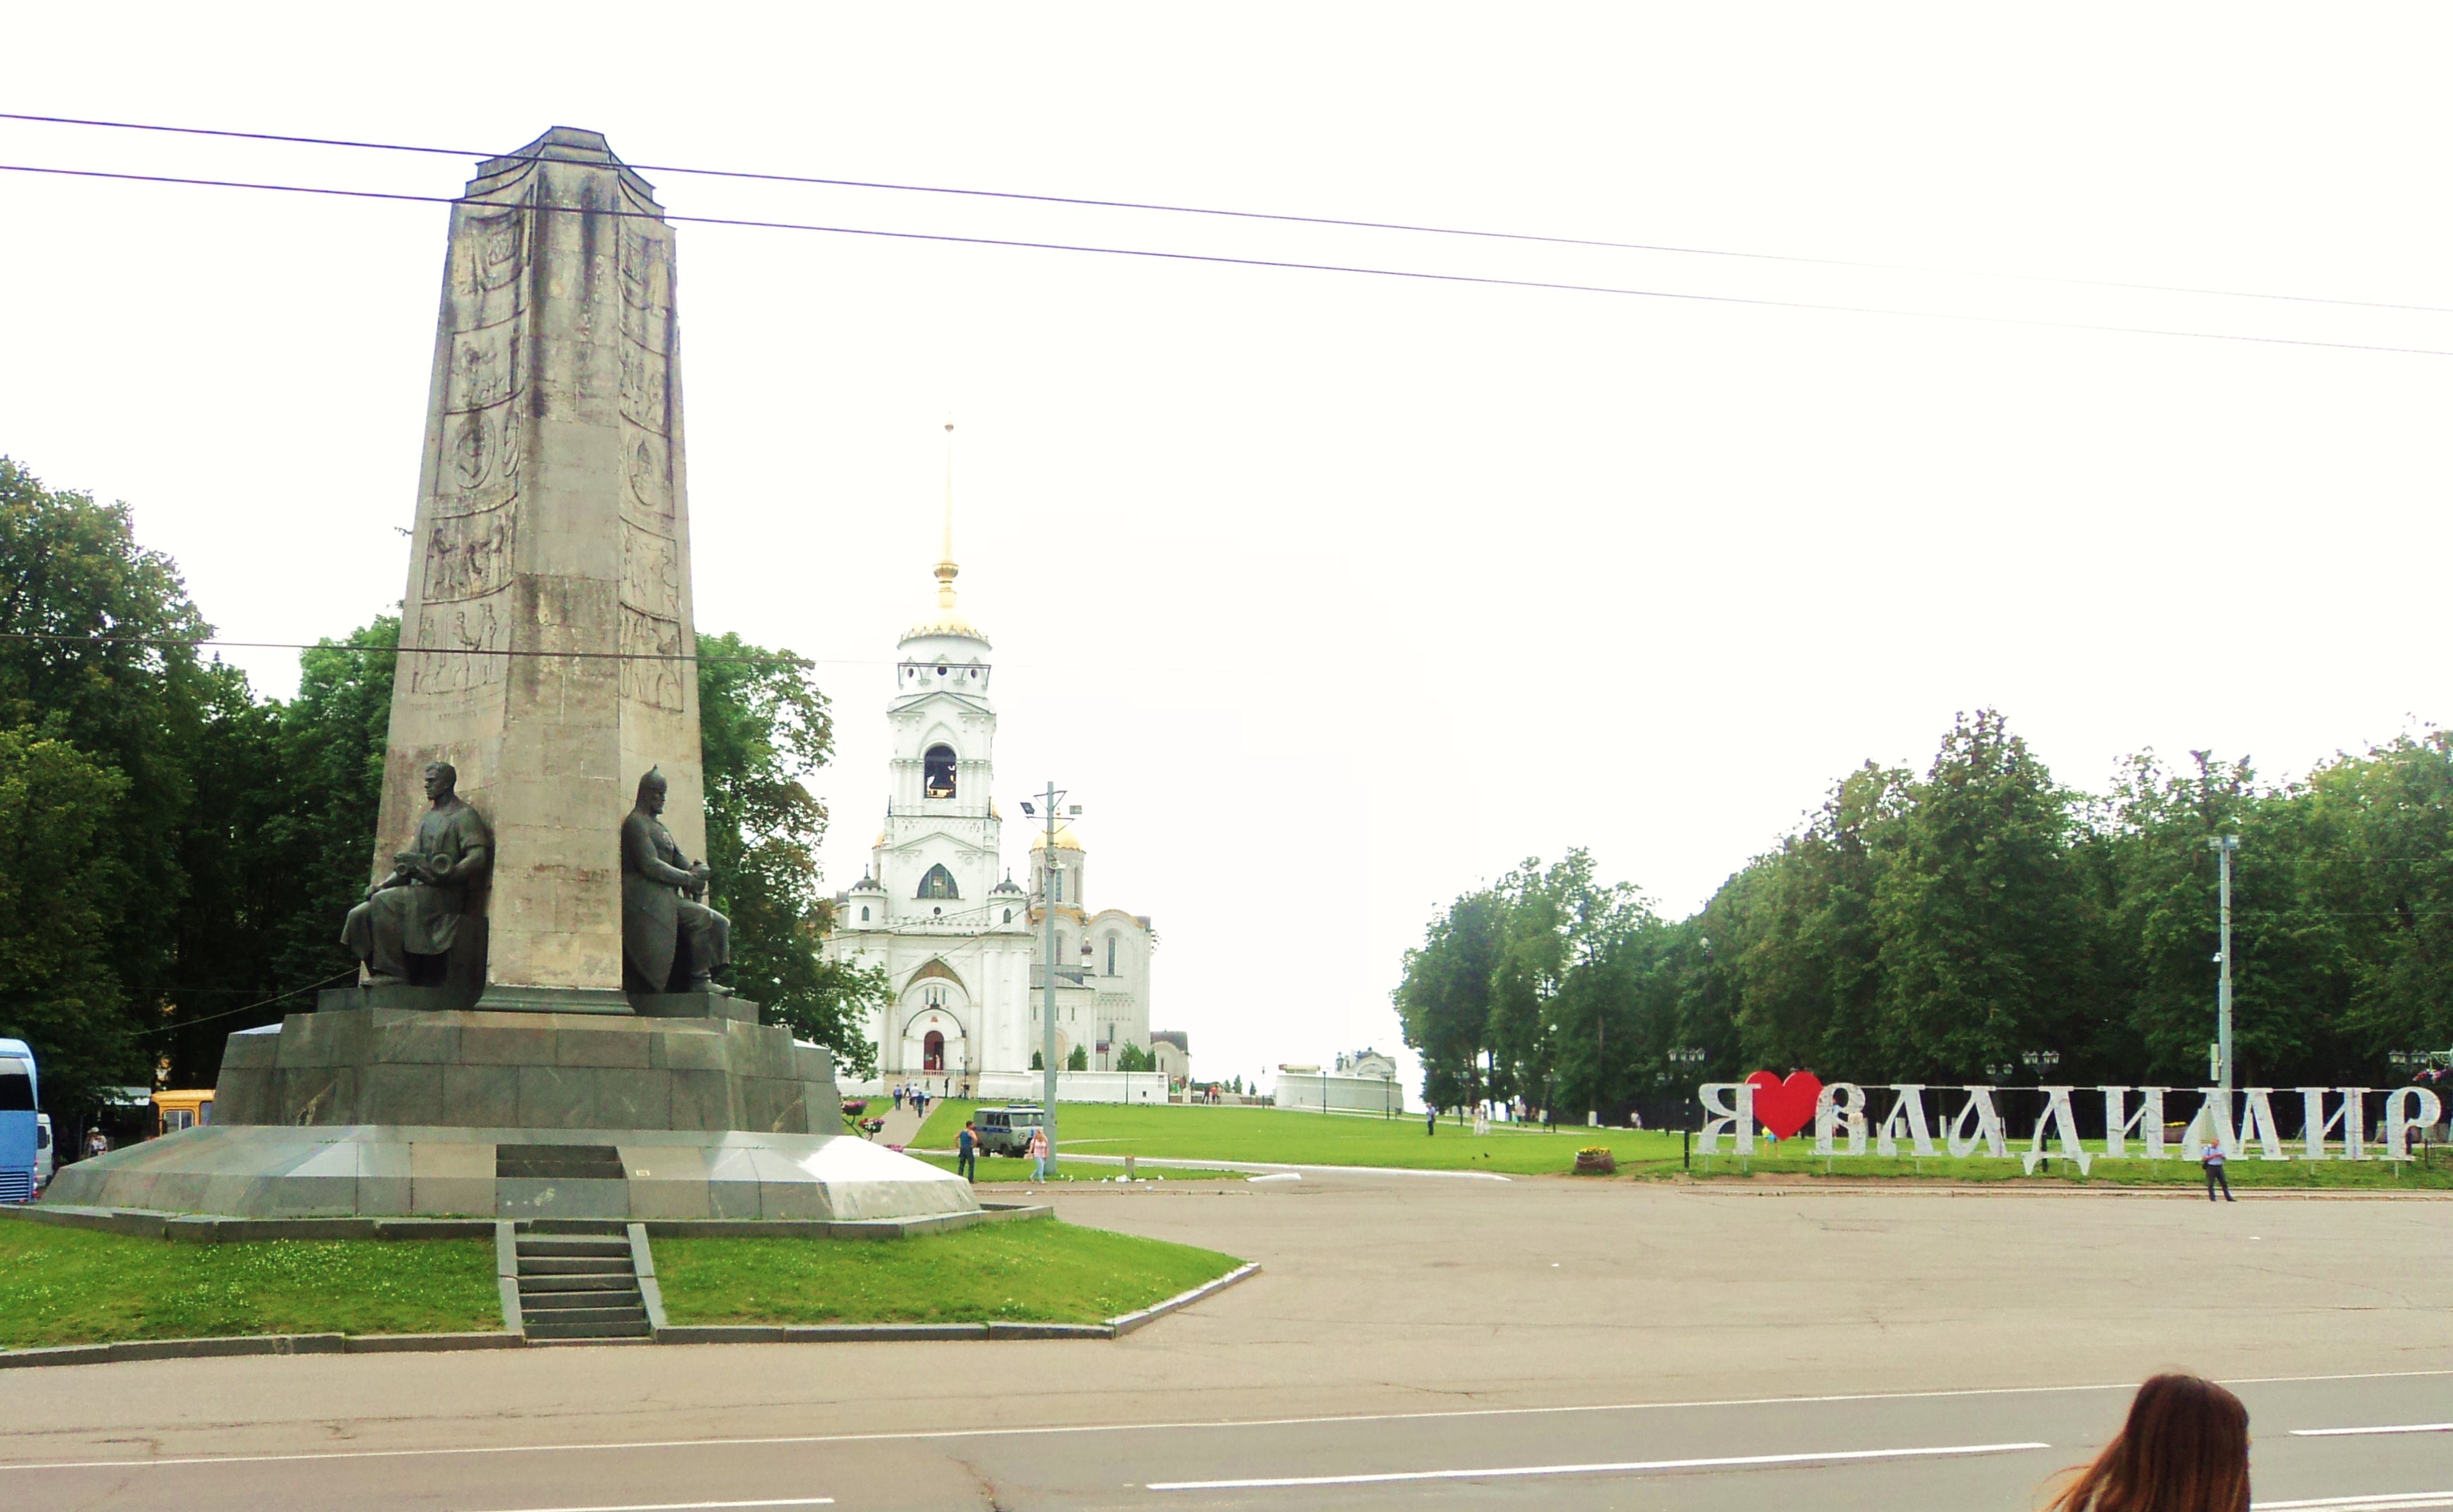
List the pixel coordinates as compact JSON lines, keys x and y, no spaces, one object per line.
{"x":1034,"y":1271}
{"x":1259,"y":1134}
{"x":75,"y":1286}
{"x":1155,"y":1134}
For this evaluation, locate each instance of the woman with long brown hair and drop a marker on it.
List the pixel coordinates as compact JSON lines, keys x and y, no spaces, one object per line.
{"x":2184,"y":1449}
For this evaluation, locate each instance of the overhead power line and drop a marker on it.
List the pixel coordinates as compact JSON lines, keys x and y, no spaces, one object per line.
{"x":1420,"y":276}
{"x":1278,"y":216}
{"x":177,"y":642}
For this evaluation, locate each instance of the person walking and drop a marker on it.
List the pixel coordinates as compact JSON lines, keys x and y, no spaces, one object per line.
{"x":1430,"y":1122}
{"x":2210,"y":1155}
{"x":898,"y":1097}
{"x":1039,"y":1153}
{"x":966,"y":1147}
{"x":2184,"y":1449}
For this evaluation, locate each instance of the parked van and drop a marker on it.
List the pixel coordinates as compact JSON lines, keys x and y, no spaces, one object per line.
{"x":19,"y":1129}
{"x":45,"y":1162}
{"x":1007,"y":1131}
{"x":173,"y":1111}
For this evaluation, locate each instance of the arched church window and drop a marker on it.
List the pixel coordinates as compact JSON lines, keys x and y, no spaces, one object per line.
{"x":1008,"y":916}
{"x":938,"y":882}
{"x":864,"y":913}
{"x":937,"y":773}
{"x":1056,"y":884}
{"x":1111,"y":955}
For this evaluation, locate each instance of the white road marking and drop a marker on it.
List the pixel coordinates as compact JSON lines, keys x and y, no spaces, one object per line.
{"x":2387,"y":1501}
{"x":1180,"y":1426}
{"x":1278,"y":1176}
{"x":1622,"y":1467}
{"x":2396,"y":1427}
{"x":685,"y":1506}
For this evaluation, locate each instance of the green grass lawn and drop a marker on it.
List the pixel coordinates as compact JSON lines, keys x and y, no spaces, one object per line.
{"x":1034,"y":1271}
{"x":1156,"y":1134}
{"x":74,"y":1287}
{"x":1311,"y":1138}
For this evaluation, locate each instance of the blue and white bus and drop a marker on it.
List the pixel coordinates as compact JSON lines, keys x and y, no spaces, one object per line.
{"x":17,"y":1103}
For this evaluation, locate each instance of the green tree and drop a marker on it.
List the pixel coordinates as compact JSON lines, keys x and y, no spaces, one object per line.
{"x":1078,"y":1060}
{"x":764,"y":727}
{"x":93,"y":662}
{"x":1983,"y":924}
{"x":1133,"y":1058}
{"x":62,"y":885}
{"x":286,"y":802}
{"x":1444,"y":1002}
{"x":1038,"y":1063}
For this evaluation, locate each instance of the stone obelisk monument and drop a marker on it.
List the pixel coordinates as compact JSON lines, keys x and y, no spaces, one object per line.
{"x":546,"y":665}
{"x":547,"y":625}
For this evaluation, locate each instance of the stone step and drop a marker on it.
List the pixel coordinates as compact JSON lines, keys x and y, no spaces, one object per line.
{"x":561,"y":1329}
{"x":609,"y":1281}
{"x":573,"y":1246}
{"x":567,"y":1317}
{"x":584,"y":1265}
{"x":572,"y":1227}
{"x":558,"y":1303}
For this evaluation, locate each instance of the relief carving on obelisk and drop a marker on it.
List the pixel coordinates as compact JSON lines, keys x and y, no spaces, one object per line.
{"x":472,"y":520}
{"x":651,"y":575}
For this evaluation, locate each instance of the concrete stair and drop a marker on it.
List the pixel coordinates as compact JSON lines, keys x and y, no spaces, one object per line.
{"x":577,"y":1283}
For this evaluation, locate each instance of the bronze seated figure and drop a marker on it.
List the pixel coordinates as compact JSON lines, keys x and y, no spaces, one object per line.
{"x":411,"y":921}
{"x":672,"y":941}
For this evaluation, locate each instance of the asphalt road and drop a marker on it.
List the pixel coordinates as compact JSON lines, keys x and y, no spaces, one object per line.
{"x":1411,"y":1341}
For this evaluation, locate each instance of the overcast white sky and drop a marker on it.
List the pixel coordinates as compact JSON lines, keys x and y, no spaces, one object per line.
{"x":1327,"y":595}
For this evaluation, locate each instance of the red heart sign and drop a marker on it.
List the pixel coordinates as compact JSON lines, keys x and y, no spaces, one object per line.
{"x":1785,"y":1107}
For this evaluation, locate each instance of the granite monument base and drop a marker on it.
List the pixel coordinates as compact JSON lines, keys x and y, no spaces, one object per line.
{"x":351,"y":1065}
{"x":363,"y":1170}
{"x":367,"y":1107}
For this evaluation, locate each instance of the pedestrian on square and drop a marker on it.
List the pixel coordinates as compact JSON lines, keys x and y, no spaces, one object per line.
{"x":1430,"y":1122}
{"x":1039,"y":1154}
{"x":2184,"y":1449}
{"x":2210,"y":1155}
{"x":898,"y":1097}
{"x":966,"y":1147}
{"x":920,"y":1103}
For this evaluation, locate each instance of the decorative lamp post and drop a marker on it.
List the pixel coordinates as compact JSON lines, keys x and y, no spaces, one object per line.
{"x":1688,"y":1059}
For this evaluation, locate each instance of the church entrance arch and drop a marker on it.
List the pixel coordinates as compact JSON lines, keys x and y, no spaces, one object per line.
{"x":936,"y":1011}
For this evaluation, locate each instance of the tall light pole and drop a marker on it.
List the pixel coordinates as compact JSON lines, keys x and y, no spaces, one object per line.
{"x":1047,"y":993}
{"x":2222,"y":845}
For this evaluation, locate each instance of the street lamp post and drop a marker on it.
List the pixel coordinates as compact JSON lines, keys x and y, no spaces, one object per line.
{"x":2222,"y":845}
{"x":1047,"y":989}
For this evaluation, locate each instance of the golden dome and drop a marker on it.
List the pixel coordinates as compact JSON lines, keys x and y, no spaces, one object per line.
{"x":1064,"y":840}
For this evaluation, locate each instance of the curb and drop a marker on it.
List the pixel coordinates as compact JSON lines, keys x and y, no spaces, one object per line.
{"x":129,"y":1349}
{"x":1134,"y":1320}
{"x":205,"y":1228}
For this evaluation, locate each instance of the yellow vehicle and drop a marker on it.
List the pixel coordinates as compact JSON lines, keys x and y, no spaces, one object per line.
{"x":173,"y":1111}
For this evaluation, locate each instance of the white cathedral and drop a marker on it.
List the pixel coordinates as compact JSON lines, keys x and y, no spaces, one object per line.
{"x":959,"y":939}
